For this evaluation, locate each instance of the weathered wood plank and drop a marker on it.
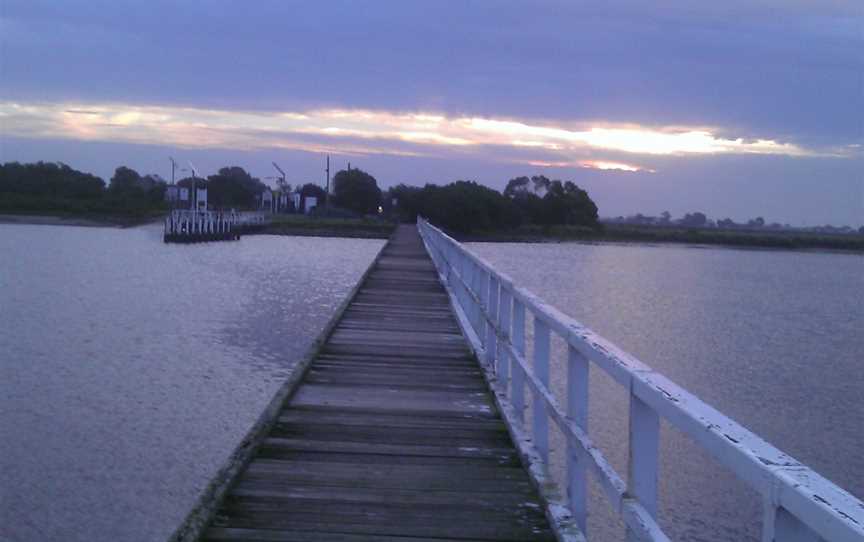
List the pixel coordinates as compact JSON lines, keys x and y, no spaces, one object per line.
{"x":386,"y":418}
{"x":220,"y":534}
{"x":386,"y":471}
{"x":389,"y":434}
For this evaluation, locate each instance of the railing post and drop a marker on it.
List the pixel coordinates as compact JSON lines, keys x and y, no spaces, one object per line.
{"x":475,"y":291}
{"x":492,"y":296}
{"x":466,"y":282}
{"x":483,"y":278}
{"x":466,"y":289}
{"x":778,"y":525}
{"x":463,"y":285}
{"x":459,"y":277}
{"x":577,"y":411}
{"x":644,"y":448}
{"x":518,"y":376}
{"x":540,"y":425}
{"x":504,"y":323}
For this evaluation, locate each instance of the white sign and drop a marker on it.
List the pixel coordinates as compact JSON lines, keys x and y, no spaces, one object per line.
{"x":184,"y":194}
{"x":310,"y":203}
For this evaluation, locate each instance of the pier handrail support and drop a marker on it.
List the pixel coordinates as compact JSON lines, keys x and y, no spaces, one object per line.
{"x":192,"y":221}
{"x":798,"y":503}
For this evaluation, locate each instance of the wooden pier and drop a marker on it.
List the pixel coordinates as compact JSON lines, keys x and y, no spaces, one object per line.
{"x":392,"y":433}
{"x":391,"y":429}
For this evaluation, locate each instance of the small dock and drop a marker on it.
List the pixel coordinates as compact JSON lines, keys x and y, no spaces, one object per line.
{"x":392,"y":434}
{"x":182,"y":226}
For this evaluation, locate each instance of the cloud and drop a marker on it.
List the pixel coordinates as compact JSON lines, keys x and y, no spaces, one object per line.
{"x":776,"y":70}
{"x":603,"y":165}
{"x":594,"y":145}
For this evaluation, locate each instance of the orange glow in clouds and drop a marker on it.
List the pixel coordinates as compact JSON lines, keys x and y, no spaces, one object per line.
{"x":353,"y":131}
{"x":599,"y":164}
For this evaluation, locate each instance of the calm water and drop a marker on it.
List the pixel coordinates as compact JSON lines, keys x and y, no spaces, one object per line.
{"x":774,"y":340}
{"x":129,"y":369}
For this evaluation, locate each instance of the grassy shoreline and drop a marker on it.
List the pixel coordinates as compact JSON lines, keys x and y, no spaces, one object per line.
{"x":299,"y":225}
{"x":84,"y":220}
{"x":689,"y":236}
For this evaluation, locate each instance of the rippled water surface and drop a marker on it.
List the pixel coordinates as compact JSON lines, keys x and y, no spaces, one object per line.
{"x":130,"y":369}
{"x":773,"y":339}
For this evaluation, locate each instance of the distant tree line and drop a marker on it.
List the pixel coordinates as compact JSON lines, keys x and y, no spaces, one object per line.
{"x":699,"y":220}
{"x":461,"y":206}
{"x":466,"y":206}
{"x":56,"y":187}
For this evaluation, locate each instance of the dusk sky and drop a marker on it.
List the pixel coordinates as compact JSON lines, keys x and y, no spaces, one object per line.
{"x":736,"y":108}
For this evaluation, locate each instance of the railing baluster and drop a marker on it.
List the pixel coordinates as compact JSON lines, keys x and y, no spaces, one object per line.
{"x":460,"y":282}
{"x":504,"y":323}
{"x":482,"y":307}
{"x":493,"y":297}
{"x":466,"y":291}
{"x":469,"y":290}
{"x":781,"y":526}
{"x":540,"y":425}
{"x":475,"y":304}
{"x":478,"y":307}
{"x":644,"y":446}
{"x":518,"y":392}
{"x":577,"y":410}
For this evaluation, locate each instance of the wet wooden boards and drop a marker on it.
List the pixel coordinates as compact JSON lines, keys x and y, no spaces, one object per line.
{"x":392,"y":434}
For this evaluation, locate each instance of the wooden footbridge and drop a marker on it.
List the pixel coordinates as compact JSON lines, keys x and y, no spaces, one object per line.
{"x":406,"y":425}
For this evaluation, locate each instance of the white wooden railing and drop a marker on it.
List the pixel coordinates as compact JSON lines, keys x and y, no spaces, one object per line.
{"x":799,"y":504}
{"x":186,"y":222}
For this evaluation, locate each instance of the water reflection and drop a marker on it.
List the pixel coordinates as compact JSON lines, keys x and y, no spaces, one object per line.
{"x":130,"y":369}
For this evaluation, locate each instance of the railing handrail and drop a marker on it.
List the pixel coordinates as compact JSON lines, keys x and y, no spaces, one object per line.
{"x":794,"y":496}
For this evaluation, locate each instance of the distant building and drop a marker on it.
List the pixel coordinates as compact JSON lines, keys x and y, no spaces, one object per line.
{"x":172,"y":193}
{"x":201,"y":199}
{"x":283,"y":202}
{"x":310,"y":203}
{"x":267,"y":200}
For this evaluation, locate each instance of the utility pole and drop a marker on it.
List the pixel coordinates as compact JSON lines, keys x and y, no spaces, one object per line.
{"x":327,"y":194}
{"x":281,"y":173}
{"x":176,"y":191}
{"x":281,"y":186}
{"x":194,"y":197}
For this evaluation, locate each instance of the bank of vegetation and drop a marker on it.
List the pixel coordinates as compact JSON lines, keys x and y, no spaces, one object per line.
{"x":329,"y":226}
{"x":358,"y":207}
{"x":464,"y":208}
{"x":55,"y":189}
{"x":529,"y":209}
{"x":615,"y":233}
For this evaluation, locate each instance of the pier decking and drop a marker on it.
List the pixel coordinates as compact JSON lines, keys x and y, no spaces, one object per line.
{"x":391,"y":435}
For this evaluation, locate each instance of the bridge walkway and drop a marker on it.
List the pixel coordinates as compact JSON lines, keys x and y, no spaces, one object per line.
{"x":392,"y":434}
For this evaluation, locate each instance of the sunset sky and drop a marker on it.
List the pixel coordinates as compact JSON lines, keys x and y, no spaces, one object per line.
{"x":734,"y":108}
